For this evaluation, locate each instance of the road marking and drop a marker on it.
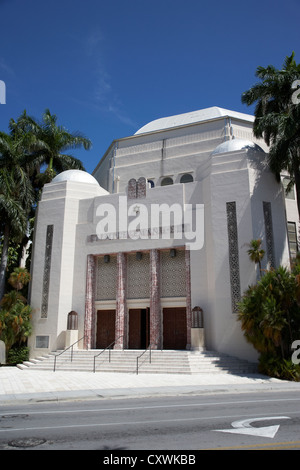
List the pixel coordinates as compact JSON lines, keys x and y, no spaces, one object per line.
{"x":153,"y":407}
{"x":244,"y":427}
{"x":125,"y":423}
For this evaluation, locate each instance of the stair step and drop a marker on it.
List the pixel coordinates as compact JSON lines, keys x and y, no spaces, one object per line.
{"x":124,"y":361}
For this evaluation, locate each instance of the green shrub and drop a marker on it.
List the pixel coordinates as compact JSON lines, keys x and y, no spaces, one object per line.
{"x":17,"y":355}
{"x":15,"y":324}
{"x":15,"y":314}
{"x":279,"y":368}
{"x":269,"y":313}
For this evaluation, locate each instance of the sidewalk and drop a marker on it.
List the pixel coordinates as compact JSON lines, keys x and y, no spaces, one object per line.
{"x":32,"y":386}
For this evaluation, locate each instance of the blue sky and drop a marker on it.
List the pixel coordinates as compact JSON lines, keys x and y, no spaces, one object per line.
{"x":106,"y":68}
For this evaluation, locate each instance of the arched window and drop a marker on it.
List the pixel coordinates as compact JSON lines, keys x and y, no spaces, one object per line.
{"x":151,"y":183}
{"x":166,"y":181}
{"x":186,"y":178}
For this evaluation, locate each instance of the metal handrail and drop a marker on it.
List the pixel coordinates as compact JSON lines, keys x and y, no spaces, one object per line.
{"x":138,"y":357}
{"x":109,"y":349}
{"x":71,"y":346}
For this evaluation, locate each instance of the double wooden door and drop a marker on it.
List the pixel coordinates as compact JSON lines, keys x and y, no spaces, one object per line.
{"x":174,"y":328}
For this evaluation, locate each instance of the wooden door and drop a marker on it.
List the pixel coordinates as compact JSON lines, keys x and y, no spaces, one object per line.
{"x":106,"y":320}
{"x":174,"y":328}
{"x":139,"y":328}
{"x":134,"y":328}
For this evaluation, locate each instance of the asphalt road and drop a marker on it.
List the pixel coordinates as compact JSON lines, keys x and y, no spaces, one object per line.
{"x":268,"y":420}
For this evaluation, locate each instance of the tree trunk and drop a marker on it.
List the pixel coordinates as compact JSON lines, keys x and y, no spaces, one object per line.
{"x":4,"y":259}
{"x":297,"y":185}
{"x":50,"y":165}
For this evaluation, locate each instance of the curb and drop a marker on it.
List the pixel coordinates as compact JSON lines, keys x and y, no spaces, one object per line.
{"x":145,"y":392}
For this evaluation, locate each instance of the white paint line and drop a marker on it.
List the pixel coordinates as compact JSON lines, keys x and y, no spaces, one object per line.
{"x":125,"y":423}
{"x":136,"y":408}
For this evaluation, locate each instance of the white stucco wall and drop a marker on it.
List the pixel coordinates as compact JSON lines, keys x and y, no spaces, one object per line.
{"x":232,"y":176}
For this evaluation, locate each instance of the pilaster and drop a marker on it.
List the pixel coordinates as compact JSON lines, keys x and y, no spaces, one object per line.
{"x":155,"y":306}
{"x":121,"y":308}
{"x":89,"y":317}
{"x":188,"y":297}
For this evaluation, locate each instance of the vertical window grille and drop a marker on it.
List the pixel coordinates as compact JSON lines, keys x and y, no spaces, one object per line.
{"x":292,"y":238}
{"x":233,"y":251}
{"x":47,"y":267}
{"x":269,"y":234}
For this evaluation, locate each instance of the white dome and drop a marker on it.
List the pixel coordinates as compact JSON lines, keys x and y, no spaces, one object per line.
{"x":191,"y":118}
{"x":234,"y":145}
{"x":75,"y":175}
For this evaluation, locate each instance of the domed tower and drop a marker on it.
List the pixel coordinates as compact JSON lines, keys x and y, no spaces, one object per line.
{"x":56,"y":227}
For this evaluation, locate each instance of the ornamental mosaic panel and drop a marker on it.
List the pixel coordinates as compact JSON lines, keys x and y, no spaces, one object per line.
{"x":269,"y":234}
{"x":138,"y":275}
{"x":233,"y":252}
{"x":173,"y":273}
{"x":47,"y":268}
{"x":106,"y":277}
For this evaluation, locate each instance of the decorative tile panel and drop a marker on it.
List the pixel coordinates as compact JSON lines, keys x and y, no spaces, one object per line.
{"x":138,"y":275}
{"x":233,"y":252}
{"x":269,"y":234}
{"x":141,"y":187}
{"x":132,"y":189}
{"x":173,"y":273}
{"x":106,"y":278}
{"x":47,"y":268}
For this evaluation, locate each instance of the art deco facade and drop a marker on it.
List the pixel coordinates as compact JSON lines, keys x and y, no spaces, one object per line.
{"x":139,"y":281}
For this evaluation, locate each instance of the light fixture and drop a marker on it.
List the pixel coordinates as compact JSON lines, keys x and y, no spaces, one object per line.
{"x":106,"y":258}
{"x":172,"y":253}
{"x":197,"y":317}
{"x":139,"y":255}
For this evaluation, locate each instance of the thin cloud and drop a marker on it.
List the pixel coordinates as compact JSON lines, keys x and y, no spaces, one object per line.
{"x":93,"y":42}
{"x":104,"y":94}
{"x":4,"y":67}
{"x":122,"y":117}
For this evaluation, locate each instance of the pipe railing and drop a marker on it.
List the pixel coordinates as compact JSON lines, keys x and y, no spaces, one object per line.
{"x":69,"y":347}
{"x":138,"y":357}
{"x":109,"y":347}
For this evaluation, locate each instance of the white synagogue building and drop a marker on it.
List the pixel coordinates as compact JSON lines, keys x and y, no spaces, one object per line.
{"x":152,"y":248}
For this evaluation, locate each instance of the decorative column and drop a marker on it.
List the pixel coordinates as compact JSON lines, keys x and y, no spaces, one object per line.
{"x":121,"y":309}
{"x":188,"y":298}
{"x":155,"y":307}
{"x":89,"y":317}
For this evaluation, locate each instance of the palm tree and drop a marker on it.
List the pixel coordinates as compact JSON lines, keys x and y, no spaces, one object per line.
{"x":277,"y":118}
{"x":19,"y":278}
{"x":52,"y":141}
{"x":16,"y":193}
{"x":23,"y":152}
{"x":255,"y":252}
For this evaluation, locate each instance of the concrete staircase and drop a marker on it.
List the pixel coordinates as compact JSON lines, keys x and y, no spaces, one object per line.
{"x":125,"y":361}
